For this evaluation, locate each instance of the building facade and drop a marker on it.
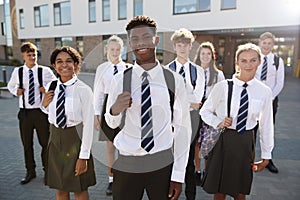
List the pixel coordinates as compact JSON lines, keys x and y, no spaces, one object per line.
{"x":86,"y":24}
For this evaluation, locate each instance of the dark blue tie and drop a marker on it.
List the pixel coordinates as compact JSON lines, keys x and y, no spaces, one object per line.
{"x":243,"y":111}
{"x":147,"y":142}
{"x":205,"y":84}
{"x":60,"y":107}
{"x":264,"y":70}
{"x":182,"y":72}
{"x":115,"y":69}
{"x":31,"y":98}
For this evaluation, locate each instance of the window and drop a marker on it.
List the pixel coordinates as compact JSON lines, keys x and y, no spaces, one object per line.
{"x":92,"y":11}
{"x":105,"y":10}
{"x":138,"y":7}
{"x":190,"y":6}
{"x":21,"y":16}
{"x":41,"y":16}
{"x":62,"y":13}
{"x":79,"y":45}
{"x":38,"y":45}
{"x":122,"y":12}
{"x":228,"y":4}
{"x":63,"y":41}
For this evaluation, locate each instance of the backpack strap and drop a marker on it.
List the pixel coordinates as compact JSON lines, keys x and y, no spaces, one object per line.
{"x":276,"y":61}
{"x":40,"y":79}
{"x":172,"y":66}
{"x":20,"y":73}
{"x":230,"y":87}
{"x":53,"y":85}
{"x":193,"y":75}
{"x":170,"y":81}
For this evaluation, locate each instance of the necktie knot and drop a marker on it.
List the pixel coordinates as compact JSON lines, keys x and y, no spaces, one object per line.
{"x":245,"y":85}
{"x":115,"y":69}
{"x":145,"y":74}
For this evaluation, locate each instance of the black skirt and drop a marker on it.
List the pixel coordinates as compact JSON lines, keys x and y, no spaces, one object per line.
{"x":229,"y":167}
{"x":62,"y":154}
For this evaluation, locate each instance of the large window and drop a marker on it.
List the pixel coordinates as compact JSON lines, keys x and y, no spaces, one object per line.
{"x":62,"y":13}
{"x":92,"y":11}
{"x":122,"y":9}
{"x":63,"y":41}
{"x":21,"y":16}
{"x":138,"y":7}
{"x":105,"y":10}
{"x":41,"y":16}
{"x":79,"y":45}
{"x":190,"y":6}
{"x":228,"y":4}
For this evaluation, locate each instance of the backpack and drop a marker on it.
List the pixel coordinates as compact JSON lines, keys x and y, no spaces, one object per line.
{"x":193,"y":72}
{"x":40,"y":79}
{"x":276,"y":61}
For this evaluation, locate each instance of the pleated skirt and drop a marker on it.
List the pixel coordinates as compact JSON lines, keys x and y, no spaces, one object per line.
{"x":229,"y":167}
{"x":62,"y":154}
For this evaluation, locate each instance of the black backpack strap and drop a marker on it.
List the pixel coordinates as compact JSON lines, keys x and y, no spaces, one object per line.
{"x":170,"y":81}
{"x":193,"y":75}
{"x":230,"y":86}
{"x":20,"y":73}
{"x":40,"y":78}
{"x":276,"y":61}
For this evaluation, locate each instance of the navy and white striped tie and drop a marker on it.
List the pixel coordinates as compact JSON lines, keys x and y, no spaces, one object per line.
{"x":182,"y":72}
{"x":147,"y":140}
{"x":205,"y":84}
{"x":264,"y":70}
{"x":243,"y":111}
{"x":31,"y":98}
{"x":115,"y":69}
{"x":60,"y":107}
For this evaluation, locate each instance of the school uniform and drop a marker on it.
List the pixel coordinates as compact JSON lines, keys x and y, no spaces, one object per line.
{"x":195,"y":95}
{"x":30,"y":116}
{"x":103,"y":77}
{"x":229,"y":169}
{"x":137,"y":169}
{"x":73,"y":141}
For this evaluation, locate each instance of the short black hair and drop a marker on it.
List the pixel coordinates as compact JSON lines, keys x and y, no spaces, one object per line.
{"x":28,"y":47}
{"x":141,"y":20}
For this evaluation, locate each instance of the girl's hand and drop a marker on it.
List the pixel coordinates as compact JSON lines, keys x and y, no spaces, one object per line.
{"x":260,"y":165}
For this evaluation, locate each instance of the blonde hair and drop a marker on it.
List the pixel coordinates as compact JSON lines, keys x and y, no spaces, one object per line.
{"x":247,"y":47}
{"x":267,"y":35}
{"x":182,"y":35}
{"x":117,"y":39}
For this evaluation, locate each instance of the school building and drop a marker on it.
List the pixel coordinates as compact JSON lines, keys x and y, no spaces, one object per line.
{"x":86,"y":24}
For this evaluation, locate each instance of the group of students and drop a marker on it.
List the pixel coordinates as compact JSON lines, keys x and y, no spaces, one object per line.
{"x":152,"y":114}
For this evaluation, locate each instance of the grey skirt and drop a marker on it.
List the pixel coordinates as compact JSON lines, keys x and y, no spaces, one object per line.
{"x":62,"y":154}
{"x":229,"y":167}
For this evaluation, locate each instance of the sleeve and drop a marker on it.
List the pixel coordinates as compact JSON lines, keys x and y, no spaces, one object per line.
{"x":208,"y":110}
{"x":116,"y":88}
{"x":221,"y":76}
{"x":98,"y":91}
{"x":13,"y":83}
{"x":182,"y":131}
{"x":48,"y":75}
{"x":279,"y":79}
{"x":266,"y":127}
{"x":86,"y":96}
{"x":45,"y":109}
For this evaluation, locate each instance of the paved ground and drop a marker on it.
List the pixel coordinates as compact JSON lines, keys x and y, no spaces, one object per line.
{"x":266,"y":186}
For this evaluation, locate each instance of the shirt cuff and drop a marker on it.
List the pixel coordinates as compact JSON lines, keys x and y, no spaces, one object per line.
{"x":178,"y":176}
{"x":113,"y":121}
{"x":266,"y":155}
{"x":84,"y":155}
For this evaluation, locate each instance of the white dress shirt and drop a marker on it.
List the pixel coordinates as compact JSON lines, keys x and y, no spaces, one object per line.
{"x":275,"y":78}
{"x":220,"y":77}
{"x":103,"y":77}
{"x":194,"y":95}
{"x":128,"y":140}
{"x":78,"y":109}
{"x":214,"y":109}
{"x":13,"y":84}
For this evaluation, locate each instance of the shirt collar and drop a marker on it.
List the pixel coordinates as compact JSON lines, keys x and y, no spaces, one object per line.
{"x":241,"y":83}
{"x":69,"y":82}
{"x":178,"y":64}
{"x":152,"y":72}
{"x":33,"y":68}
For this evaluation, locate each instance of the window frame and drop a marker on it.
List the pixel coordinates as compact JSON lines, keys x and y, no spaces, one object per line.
{"x":228,"y":8}
{"x":103,"y":10}
{"x":92,"y":6}
{"x":58,"y":5}
{"x":21,"y":18}
{"x":121,"y":4}
{"x":40,"y":15}
{"x":135,"y":7}
{"x":191,"y":12}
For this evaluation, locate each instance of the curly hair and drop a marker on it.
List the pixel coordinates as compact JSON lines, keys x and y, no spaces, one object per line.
{"x":141,"y":20}
{"x":69,"y":50}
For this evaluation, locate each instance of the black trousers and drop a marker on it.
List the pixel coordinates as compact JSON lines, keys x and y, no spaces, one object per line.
{"x":131,"y":185}
{"x":190,"y":182}
{"x":30,"y":119}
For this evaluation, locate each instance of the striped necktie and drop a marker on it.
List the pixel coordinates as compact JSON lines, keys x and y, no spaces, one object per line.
{"x":182,"y":72}
{"x":147,"y":141}
{"x":115,"y":69}
{"x":243,"y":111}
{"x":264,"y":70}
{"x":31,"y":95}
{"x":60,"y":107}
